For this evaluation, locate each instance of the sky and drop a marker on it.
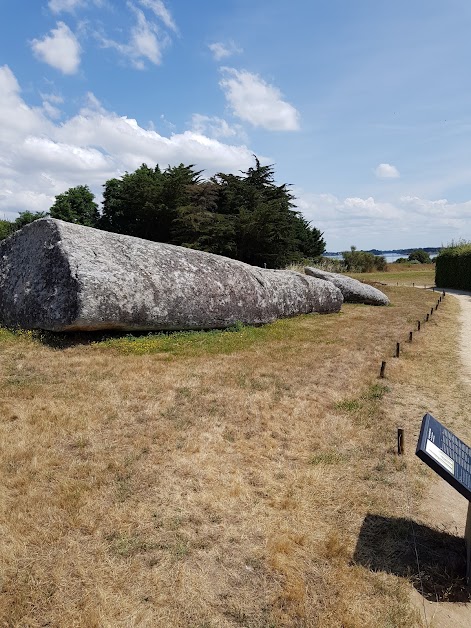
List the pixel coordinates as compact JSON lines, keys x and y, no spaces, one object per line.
{"x":363,"y":106}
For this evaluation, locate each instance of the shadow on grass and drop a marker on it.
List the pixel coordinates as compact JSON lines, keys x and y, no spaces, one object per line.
{"x":388,"y":544}
{"x":58,"y":340}
{"x":66,"y":340}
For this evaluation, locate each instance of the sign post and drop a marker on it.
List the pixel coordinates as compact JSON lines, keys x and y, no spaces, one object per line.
{"x":467,"y":538}
{"x":448,"y":456}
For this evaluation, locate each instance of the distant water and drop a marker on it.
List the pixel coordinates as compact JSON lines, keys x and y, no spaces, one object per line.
{"x":390,"y":257}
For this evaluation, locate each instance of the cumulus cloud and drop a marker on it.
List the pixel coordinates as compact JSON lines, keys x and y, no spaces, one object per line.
{"x":440,"y":211}
{"x":40,"y":158}
{"x":16,"y":118}
{"x":221,"y":51}
{"x":60,"y":49}
{"x":386,"y":171}
{"x":372,"y":223}
{"x":258,"y":102}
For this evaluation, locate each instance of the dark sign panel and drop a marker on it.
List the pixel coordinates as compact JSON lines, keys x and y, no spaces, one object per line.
{"x":445,"y":454}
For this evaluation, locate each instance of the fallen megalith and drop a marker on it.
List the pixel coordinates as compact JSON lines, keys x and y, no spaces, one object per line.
{"x":353,"y":291}
{"x":59,"y":276}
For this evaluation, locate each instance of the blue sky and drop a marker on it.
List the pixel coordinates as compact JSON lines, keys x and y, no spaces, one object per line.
{"x":363,"y":106}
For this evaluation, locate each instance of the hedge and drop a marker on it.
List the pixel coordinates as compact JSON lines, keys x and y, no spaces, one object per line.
{"x":453,"y":267}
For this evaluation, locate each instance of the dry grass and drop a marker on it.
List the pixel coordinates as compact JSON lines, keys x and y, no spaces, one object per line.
{"x":215,"y":481}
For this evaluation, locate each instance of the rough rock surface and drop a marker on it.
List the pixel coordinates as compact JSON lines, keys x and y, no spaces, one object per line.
{"x":60,"y":276}
{"x":353,"y":291}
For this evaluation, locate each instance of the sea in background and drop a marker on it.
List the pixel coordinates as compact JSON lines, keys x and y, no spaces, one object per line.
{"x":390,"y":257}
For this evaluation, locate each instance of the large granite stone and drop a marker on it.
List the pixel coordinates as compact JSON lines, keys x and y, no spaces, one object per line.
{"x":60,"y":276}
{"x":353,"y":291}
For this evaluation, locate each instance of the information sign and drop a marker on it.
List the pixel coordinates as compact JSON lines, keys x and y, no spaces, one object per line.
{"x":446,"y":454}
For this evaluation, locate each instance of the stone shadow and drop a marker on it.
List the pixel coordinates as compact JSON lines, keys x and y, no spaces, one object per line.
{"x":389,"y":544}
{"x":66,"y":340}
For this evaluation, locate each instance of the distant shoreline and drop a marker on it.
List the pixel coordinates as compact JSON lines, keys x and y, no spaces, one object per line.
{"x":431,"y":250}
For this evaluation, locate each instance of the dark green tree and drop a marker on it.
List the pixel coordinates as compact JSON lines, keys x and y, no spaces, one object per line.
{"x":199,"y":225}
{"x":309,"y":240}
{"x":268,"y":228}
{"x":26,"y":217}
{"x":246,"y":216}
{"x":420,"y":256}
{"x":144,"y":203}
{"x":77,"y":205}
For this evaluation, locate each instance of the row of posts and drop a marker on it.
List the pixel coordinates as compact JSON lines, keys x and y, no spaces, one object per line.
{"x":382,"y":373}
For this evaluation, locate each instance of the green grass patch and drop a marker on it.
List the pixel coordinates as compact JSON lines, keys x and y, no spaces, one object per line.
{"x":11,"y":335}
{"x":194,"y":343}
{"x":376,"y":391}
{"x":348,"y":405}
{"x":327,"y":457}
{"x":414,"y":274}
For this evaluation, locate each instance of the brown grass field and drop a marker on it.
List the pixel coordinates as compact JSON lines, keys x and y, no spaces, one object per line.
{"x":221,"y":479}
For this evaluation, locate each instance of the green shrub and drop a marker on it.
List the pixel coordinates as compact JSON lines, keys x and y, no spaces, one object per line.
{"x":420,"y":256}
{"x":381,"y":263}
{"x":330,"y":265}
{"x":6,"y":229}
{"x":453,"y":266}
{"x":363,"y":262}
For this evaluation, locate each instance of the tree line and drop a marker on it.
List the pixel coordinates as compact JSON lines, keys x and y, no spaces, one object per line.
{"x":247,"y":216}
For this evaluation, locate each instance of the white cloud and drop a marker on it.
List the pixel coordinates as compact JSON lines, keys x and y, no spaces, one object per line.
{"x":221,"y":51}
{"x":69,"y":6}
{"x":161,"y":11}
{"x":144,"y":41}
{"x":216,"y":127}
{"x":16,"y":118}
{"x":386,"y":171}
{"x":440,"y":210}
{"x":58,"y":6}
{"x":409,"y":221}
{"x":60,"y":49}
{"x":40,"y":158}
{"x":51,"y":111}
{"x":257,"y":102}
{"x":145,"y":44}
{"x":55,"y":99}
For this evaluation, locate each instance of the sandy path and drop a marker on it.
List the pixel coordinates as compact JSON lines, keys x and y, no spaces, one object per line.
{"x":446,"y":508}
{"x":465,"y":346}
